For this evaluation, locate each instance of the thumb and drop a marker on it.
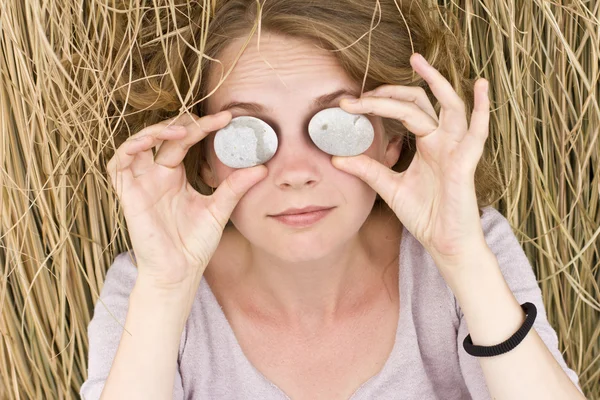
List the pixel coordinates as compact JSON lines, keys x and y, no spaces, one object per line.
{"x":372,"y":172}
{"x":232,"y":189}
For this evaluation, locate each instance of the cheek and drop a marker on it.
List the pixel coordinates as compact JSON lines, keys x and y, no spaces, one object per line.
{"x":355,"y":191}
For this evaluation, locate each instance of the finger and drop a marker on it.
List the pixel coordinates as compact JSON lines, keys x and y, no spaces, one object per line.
{"x":412,"y":116}
{"x":133,"y":147}
{"x":440,"y":87}
{"x":372,"y":172}
{"x":118,"y":167}
{"x":232,"y":189}
{"x":125,"y":154}
{"x":170,"y":129}
{"x":454,"y":115}
{"x":183,"y":119}
{"x":145,"y":160}
{"x":171,"y":153}
{"x":120,"y":182}
{"x":134,"y":156}
{"x":150,"y":130}
{"x":414,"y":94}
{"x":480,"y":119}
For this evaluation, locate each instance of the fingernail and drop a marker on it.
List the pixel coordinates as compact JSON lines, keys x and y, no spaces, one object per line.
{"x":351,"y":101}
{"x":174,"y":128}
{"x":422,"y":58}
{"x":220,"y":113}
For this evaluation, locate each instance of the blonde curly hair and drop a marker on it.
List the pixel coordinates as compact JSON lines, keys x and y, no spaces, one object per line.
{"x":372,"y":42}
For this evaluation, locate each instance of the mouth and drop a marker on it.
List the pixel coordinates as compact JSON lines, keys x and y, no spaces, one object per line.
{"x":301,"y":218}
{"x":304,"y":210}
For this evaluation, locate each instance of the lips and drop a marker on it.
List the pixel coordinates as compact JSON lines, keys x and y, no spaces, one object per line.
{"x":296,"y":211}
{"x":302,"y":219}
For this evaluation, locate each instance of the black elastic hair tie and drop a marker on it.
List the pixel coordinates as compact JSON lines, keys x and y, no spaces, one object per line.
{"x":507,"y":345}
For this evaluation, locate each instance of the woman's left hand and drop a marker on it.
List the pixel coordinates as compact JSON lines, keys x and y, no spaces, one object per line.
{"x":434,"y":197}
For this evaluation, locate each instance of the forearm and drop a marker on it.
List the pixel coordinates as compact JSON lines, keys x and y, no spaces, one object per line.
{"x":145,"y":363}
{"x":493,"y":314}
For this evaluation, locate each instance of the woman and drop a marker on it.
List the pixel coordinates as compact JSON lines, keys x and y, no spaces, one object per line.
{"x":361,"y":299}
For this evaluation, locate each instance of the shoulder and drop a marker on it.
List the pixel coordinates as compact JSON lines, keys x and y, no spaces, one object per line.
{"x":494,"y":224}
{"x":121,"y":275}
{"x":502,"y":241}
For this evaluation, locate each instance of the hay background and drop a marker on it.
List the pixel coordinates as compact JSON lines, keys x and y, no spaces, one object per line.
{"x":59,"y":222}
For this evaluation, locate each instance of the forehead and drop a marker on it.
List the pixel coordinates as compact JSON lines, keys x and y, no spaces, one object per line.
{"x":278,"y":69}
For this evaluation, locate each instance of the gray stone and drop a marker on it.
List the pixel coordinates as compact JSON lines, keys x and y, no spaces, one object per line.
{"x":341,"y":133}
{"x":245,"y":142}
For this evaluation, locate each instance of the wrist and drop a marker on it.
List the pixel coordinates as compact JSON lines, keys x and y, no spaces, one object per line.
{"x":166,"y":302}
{"x":456,"y":268}
{"x":180,"y":281}
{"x":476,"y":248}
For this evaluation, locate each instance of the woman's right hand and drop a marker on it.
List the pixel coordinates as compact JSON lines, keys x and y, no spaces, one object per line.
{"x":174,"y":230}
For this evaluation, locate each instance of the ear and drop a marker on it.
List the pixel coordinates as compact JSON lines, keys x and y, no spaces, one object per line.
{"x":392,"y":152}
{"x":205,"y":170}
{"x":206,"y":174}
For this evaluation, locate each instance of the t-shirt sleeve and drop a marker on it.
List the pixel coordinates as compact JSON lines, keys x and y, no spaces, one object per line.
{"x":106,"y":327}
{"x":519,"y":275}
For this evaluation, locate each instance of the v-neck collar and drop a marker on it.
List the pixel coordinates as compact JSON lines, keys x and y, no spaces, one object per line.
{"x":384,"y":370}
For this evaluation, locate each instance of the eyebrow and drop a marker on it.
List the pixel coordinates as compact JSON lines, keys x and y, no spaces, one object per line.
{"x":319,"y":101}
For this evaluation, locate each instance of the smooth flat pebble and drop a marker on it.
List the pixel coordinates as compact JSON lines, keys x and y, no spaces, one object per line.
{"x":341,"y":133}
{"x":245,"y":142}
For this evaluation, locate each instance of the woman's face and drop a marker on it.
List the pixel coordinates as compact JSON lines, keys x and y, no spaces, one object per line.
{"x":299,"y":174}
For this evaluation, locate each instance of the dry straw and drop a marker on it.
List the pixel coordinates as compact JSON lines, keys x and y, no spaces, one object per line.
{"x":60,"y":225}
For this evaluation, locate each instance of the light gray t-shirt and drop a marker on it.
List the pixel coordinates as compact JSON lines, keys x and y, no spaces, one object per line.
{"x":428,"y":360}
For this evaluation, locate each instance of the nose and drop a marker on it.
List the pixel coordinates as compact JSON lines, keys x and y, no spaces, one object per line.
{"x":297,"y":164}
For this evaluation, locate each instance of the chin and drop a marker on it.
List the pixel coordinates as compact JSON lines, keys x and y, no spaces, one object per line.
{"x":301,"y":245}
{"x":301,"y":249}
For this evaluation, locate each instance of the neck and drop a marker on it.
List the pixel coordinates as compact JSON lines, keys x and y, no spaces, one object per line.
{"x":321,"y":291}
